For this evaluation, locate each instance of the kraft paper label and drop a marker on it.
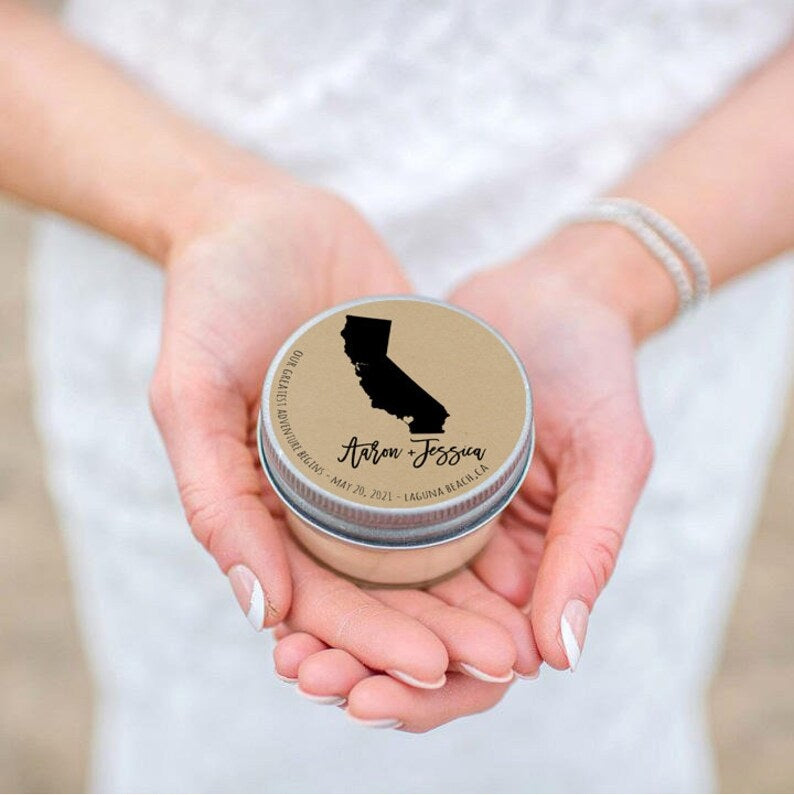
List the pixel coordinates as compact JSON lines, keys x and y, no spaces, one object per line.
{"x":397,"y":403}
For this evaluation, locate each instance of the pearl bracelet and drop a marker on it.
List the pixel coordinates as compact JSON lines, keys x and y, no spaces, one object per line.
{"x":679,"y":256}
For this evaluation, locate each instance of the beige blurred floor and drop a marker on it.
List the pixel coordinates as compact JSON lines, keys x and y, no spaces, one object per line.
{"x":45,"y":696}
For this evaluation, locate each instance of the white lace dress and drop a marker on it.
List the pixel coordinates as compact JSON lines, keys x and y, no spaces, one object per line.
{"x":463,"y":130}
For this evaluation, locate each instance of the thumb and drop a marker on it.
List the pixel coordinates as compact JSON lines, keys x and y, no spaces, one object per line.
{"x":205,"y":425}
{"x":599,"y":482}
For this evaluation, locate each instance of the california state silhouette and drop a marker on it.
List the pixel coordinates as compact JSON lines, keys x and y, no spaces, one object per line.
{"x":387,"y":386}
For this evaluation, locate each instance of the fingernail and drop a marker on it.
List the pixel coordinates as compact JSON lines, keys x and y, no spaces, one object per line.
{"x":414,"y":682}
{"x":377,"y":723}
{"x":250,"y":595}
{"x":288,"y":679}
{"x":482,"y":676}
{"x":331,"y":701}
{"x":527,"y":676}
{"x":573,"y":628}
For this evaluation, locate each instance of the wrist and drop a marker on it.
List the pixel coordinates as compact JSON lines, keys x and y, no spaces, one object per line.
{"x":220,"y":188}
{"x":606,"y":263}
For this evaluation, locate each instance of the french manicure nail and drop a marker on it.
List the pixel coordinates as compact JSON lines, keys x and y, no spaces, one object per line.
{"x":573,"y":629}
{"x":250,"y":595}
{"x":377,"y":723}
{"x":414,"y":682}
{"x":534,"y":675}
{"x":288,"y":679}
{"x":482,"y":676}
{"x":331,"y":701}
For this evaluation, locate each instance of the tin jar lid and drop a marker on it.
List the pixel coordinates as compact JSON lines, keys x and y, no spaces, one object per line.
{"x":396,"y":421}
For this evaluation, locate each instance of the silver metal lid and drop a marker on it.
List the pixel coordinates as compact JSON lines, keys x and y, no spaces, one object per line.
{"x":355,"y":520}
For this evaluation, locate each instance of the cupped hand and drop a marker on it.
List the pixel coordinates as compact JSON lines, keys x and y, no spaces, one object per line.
{"x":561,"y":308}
{"x":329,"y":675}
{"x":564,"y":310}
{"x":256,"y":262}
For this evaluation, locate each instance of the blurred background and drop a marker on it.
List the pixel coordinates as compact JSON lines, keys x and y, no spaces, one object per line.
{"x":45,"y":687}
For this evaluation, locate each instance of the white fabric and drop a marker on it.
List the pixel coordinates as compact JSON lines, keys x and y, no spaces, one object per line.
{"x":463,"y":130}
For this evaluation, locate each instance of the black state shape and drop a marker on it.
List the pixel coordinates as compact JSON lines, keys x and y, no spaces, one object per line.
{"x":385,"y":384}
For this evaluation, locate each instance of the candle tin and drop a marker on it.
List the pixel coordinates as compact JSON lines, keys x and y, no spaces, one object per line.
{"x":395,"y":429}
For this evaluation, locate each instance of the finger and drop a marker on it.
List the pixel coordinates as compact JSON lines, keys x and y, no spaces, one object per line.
{"x":205,"y":423}
{"x":291,"y":651}
{"x":383,"y":702}
{"x":346,"y":617}
{"x":468,"y":592}
{"x":531,"y":543}
{"x":281,"y":630}
{"x":471,"y":639}
{"x":502,"y":566}
{"x":526,"y":545}
{"x":330,"y":674}
{"x":598,"y":489}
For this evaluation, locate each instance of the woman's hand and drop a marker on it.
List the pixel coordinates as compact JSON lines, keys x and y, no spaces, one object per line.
{"x":573,"y":311}
{"x":330,"y":675}
{"x":252,"y":264}
{"x":569,"y":310}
